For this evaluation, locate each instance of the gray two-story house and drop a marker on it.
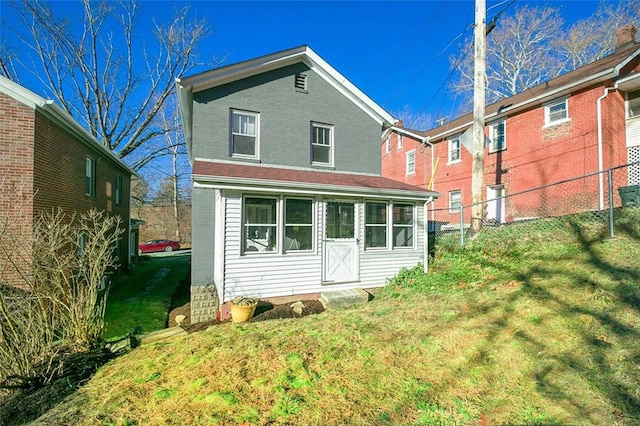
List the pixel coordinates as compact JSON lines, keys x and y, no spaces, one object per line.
{"x":288,"y":197}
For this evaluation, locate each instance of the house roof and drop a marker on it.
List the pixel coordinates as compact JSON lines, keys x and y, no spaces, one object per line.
{"x":60,"y":117}
{"x":288,"y":180}
{"x":187,"y":86}
{"x":603,"y":70}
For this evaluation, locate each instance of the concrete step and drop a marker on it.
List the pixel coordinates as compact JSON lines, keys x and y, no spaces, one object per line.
{"x":343,"y":298}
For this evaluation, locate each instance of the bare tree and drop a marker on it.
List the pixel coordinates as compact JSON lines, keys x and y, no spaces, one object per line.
{"x":413,"y":120}
{"x":104,"y":72}
{"x":518,"y":54}
{"x":595,"y":37}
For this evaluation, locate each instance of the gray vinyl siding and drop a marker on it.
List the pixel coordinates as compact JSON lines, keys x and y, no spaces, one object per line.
{"x":202,"y":239}
{"x":285,"y":119}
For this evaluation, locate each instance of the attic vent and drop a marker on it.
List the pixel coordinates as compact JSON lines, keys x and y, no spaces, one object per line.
{"x":301,"y":82}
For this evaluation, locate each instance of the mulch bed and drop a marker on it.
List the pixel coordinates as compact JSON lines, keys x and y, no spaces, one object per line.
{"x":265,"y":311}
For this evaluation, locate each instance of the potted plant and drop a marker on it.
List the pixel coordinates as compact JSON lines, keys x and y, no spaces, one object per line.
{"x":243,"y":308}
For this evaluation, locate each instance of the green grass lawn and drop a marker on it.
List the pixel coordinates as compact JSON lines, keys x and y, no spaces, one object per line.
{"x":139,"y":302}
{"x":539,"y":329}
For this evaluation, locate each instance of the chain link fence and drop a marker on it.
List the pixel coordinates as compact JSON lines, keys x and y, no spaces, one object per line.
{"x":591,"y":202}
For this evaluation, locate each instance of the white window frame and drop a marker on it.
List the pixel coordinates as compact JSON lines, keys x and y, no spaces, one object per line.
{"x":400,"y":141}
{"x":410,"y":166}
{"x":492,"y":136}
{"x":547,"y":112}
{"x":387,"y":145}
{"x":90,"y":177}
{"x":411,"y":226}
{"x":330,"y":144}
{"x":278,"y":239}
{"x":635,"y":112}
{"x":453,"y":203}
{"x":256,"y":117}
{"x":451,"y":149}
{"x":377,"y":225}
{"x":390,"y":226}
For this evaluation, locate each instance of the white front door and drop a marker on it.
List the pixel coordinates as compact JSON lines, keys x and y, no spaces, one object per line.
{"x":341,"y":261}
{"x":495,"y":204}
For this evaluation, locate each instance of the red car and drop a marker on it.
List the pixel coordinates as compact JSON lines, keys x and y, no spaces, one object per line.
{"x":158,"y":245}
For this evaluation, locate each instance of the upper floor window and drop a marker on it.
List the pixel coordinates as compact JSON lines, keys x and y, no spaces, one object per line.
{"x":454,"y":150}
{"x":244,"y":134}
{"x":118,"y":190}
{"x":556,"y":112}
{"x":497,"y":135}
{"x":400,"y":141}
{"x":455,"y":201}
{"x":321,"y":144}
{"x":90,"y":177}
{"x":387,"y":145}
{"x":633,"y":104}
{"x":411,"y":162}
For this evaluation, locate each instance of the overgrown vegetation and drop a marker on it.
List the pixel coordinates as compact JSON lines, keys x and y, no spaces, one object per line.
{"x":542,"y":329}
{"x":55,"y":304}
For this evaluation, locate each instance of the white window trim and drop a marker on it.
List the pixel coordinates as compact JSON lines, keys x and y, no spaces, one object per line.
{"x":91,"y":174}
{"x":390,"y":224}
{"x":449,"y":150}
{"x":257,"y":147}
{"x":451,"y":209}
{"x":414,"y":212}
{"x":387,"y":145}
{"x":118,"y":189}
{"x":547,"y":108}
{"x":331,"y":144}
{"x":492,"y":145}
{"x":280,"y":226}
{"x":407,"y":155}
{"x":400,"y":141}
{"x":627,"y":108}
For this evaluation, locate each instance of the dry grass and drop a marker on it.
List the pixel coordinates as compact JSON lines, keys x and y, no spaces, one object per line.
{"x":547,"y":335}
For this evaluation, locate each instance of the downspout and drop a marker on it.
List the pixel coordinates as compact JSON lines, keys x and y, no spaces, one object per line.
{"x":425,"y":265}
{"x":600,"y":159}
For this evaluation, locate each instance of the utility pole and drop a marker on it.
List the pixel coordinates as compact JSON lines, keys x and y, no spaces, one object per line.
{"x":479,"y":84}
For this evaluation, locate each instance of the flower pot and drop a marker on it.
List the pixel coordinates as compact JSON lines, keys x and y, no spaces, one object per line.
{"x":243,"y":311}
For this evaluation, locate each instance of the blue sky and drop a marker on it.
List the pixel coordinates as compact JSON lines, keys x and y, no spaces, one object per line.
{"x":395,"y":51}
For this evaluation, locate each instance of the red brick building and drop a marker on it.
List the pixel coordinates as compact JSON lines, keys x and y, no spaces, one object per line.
{"x":583,"y":122}
{"x":48,"y":161}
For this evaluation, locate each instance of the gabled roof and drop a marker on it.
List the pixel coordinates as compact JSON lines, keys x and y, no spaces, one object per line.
{"x":60,"y":117}
{"x":297,"y":181}
{"x":605,"y":69}
{"x":187,"y":86}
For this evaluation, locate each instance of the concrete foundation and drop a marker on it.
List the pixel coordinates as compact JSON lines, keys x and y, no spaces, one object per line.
{"x":204,"y":303}
{"x":343,"y":298}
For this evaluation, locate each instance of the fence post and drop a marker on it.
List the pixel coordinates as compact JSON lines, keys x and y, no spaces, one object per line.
{"x":461,"y":225}
{"x":610,"y":179}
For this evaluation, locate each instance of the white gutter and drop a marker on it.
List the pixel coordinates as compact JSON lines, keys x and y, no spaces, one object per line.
{"x":600,"y":160}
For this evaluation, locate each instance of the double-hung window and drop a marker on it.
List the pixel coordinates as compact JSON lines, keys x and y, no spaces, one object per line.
{"x":403,"y":225}
{"x":321,"y":144}
{"x":497,"y":135}
{"x":455,"y":201}
{"x":375,"y":225}
{"x":400,"y":141}
{"x":411,"y":162}
{"x":271,"y":221}
{"x":298,"y":228}
{"x":556,"y":112}
{"x":244,"y":134}
{"x":380,"y":226}
{"x":90,"y":177}
{"x":454,"y":150}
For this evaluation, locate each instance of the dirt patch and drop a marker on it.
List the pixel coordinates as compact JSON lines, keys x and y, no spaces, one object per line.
{"x":264,"y":311}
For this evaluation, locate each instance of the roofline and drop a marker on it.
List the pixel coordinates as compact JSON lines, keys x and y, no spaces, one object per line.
{"x":189,"y":85}
{"x":408,"y":132}
{"x":599,"y":77}
{"x":51,"y":110}
{"x":288,"y":187}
